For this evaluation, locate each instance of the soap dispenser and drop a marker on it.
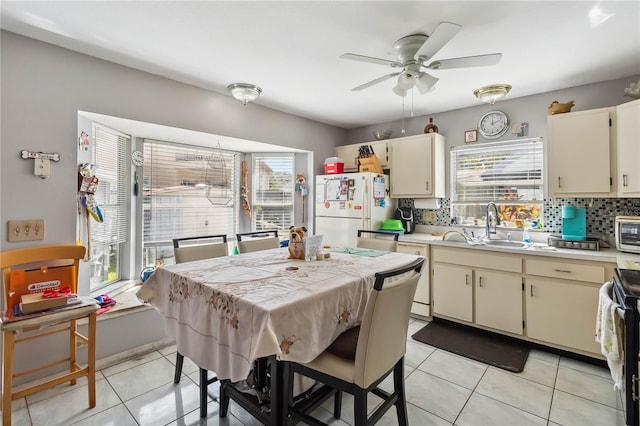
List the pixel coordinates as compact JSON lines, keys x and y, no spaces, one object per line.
{"x":525,"y":235}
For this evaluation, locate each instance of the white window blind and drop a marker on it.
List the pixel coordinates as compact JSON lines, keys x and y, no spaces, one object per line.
{"x":509,"y":171}
{"x":273,"y":191}
{"x":188,"y":191}
{"x":110,"y":156}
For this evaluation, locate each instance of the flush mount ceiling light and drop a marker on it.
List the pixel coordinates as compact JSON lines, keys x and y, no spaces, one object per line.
{"x":244,"y":92}
{"x":490,"y":94}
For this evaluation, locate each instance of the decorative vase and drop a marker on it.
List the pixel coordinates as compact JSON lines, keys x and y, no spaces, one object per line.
{"x":431,"y":128}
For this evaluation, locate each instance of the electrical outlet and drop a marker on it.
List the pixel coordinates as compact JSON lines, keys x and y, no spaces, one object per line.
{"x":429,"y":216}
{"x":25,"y":230}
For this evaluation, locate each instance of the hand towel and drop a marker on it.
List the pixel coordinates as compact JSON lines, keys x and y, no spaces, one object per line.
{"x":609,"y":328}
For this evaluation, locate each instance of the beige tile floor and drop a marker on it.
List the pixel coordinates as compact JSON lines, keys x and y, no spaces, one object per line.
{"x":441,"y":388}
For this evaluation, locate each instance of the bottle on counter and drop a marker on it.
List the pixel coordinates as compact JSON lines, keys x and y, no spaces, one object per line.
{"x":525,"y":234}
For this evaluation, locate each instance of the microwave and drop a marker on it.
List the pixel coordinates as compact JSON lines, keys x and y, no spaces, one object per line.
{"x":628,"y":233}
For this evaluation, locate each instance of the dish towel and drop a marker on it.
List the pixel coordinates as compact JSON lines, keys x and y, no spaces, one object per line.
{"x":609,"y":328}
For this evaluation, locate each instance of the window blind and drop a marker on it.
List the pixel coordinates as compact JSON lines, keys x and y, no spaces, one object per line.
{"x":188,"y":191}
{"x":110,"y":157}
{"x":272,"y":190}
{"x":511,"y":172}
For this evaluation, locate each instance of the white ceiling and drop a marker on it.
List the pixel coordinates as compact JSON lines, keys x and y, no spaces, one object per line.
{"x":291,"y":49}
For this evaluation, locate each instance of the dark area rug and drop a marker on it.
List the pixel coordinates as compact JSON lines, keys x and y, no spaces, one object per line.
{"x":491,"y":348}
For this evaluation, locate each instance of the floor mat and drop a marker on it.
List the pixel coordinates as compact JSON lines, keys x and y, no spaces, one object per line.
{"x":491,"y":348}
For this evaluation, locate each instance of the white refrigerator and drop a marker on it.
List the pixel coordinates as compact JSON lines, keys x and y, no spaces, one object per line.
{"x":348,"y":202}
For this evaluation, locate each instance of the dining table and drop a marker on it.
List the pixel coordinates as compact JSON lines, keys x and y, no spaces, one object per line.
{"x":226,"y":313}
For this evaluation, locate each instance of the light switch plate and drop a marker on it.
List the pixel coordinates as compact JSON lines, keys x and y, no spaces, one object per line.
{"x":25,"y":230}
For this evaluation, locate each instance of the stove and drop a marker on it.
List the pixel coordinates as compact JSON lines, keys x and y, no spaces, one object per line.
{"x":586,"y":244}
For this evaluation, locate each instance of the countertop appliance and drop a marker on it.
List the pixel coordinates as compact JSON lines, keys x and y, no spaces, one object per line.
{"x":348,"y":202}
{"x":405,"y":214}
{"x":627,"y":232}
{"x":574,"y":223}
{"x":626,"y":285}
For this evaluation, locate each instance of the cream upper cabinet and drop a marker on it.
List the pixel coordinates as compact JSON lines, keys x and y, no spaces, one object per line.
{"x":628,"y":147}
{"x":417,"y":166}
{"x":349,"y":154}
{"x":422,"y":299}
{"x":581,"y":153}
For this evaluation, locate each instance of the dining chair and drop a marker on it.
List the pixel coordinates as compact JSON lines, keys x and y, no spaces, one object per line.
{"x":377,"y":240}
{"x":192,"y":250}
{"x":21,"y":269}
{"x":257,"y":240}
{"x":188,"y":249}
{"x":363,"y":356}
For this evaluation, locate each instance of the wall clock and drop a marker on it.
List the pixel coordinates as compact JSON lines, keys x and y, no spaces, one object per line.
{"x":493,"y":124}
{"x":137,"y":158}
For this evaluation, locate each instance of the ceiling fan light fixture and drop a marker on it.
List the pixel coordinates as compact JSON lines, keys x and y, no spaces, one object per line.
{"x":490,"y":94}
{"x":244,"y":92}
{"x":425,"y":82}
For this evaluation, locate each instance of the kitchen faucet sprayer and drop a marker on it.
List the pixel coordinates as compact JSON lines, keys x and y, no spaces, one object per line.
{"x":488,"y":230}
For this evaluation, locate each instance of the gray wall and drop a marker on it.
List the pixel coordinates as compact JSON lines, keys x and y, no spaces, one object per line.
{"x":528,"y":109}
{"x":43,"y":87}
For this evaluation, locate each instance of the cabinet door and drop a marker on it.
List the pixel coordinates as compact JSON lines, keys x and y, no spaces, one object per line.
{"x":380,"y":150}
{"x":628,"y":146}
{"x":422,"y":297}
{"x":562,"y":313}
{"x":411,"y":167}
{"x":499,"y":301}
{"x":453,"y":292}
{"x":349,"y":154}
{"x":579,"y":152}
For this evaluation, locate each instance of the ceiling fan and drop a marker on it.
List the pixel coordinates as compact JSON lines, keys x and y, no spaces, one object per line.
{"x":414,"y":53}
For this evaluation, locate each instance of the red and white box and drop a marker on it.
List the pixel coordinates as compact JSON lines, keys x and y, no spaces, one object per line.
{"x":333,"y":165}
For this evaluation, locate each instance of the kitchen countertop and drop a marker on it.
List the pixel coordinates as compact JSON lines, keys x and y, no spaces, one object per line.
{"x":623,"y":260}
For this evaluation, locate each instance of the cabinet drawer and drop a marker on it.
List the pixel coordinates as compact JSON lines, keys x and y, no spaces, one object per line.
{"x":478,"y":259}
{"x":566,"y":270}
{"x":420,"y":250}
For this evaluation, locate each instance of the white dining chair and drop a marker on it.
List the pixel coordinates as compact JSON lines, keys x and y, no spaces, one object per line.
{"x":363,"y":356}
{"x":257,"y":240}
{"x":190,"y":249}
{"x":377,"y":240}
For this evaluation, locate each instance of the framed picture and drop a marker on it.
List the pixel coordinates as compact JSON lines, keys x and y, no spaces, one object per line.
{"x":470,"y":136}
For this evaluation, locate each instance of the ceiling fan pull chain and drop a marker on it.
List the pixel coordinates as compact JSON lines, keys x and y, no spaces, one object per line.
{"x":403,"y":131}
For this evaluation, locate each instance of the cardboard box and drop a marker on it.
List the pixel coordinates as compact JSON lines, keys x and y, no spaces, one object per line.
{"x":34,"y":302}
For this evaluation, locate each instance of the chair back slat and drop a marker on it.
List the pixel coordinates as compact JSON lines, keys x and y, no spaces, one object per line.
{"x":258,"y":244}
{"x":377,"y":240}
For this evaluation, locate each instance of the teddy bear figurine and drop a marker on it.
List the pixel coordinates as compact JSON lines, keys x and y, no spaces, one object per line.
{"x":296,"y":245}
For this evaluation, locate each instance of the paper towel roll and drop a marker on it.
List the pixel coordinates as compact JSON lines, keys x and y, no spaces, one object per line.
{"x":426,"y":203}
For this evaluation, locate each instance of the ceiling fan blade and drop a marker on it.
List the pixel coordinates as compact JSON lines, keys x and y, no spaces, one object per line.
{"x":438,"y":38}
{"x":425,"y":82}
{"x":361,"y":58}
{"x":465,"y":62}
{"x":376,"y":81}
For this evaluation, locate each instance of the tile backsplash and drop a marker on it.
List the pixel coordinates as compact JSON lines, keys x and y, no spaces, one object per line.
{"x":601,"y":213}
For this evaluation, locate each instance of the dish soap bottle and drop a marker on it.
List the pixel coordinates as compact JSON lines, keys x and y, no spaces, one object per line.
{"x":525,"y":235}
{"x":431,"y":128}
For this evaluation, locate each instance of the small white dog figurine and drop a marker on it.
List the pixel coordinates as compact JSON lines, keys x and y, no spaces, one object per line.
{"x":296,"y":245}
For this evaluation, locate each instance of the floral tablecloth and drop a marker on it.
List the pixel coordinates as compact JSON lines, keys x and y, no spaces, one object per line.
{"x":226,"y":312}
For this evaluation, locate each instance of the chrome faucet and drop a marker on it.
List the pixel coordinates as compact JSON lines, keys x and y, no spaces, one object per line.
{"x":488,"y":230}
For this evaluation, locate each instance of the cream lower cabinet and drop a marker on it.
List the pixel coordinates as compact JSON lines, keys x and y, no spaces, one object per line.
{"x":478,"y":287}
{"x":422,"y":299}
{"x":561,"y":300}
{"x":453,"y":292}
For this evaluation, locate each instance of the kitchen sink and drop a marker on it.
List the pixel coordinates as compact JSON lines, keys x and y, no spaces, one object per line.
{"x":506,"y":243}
